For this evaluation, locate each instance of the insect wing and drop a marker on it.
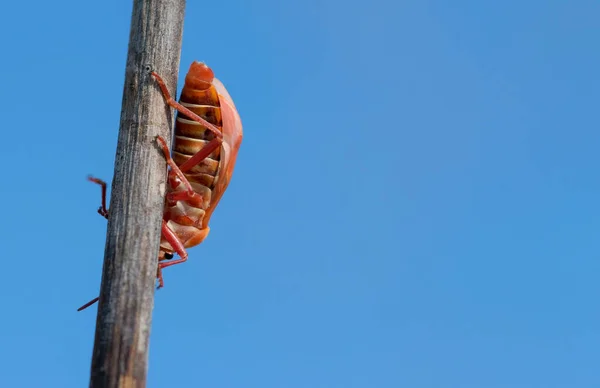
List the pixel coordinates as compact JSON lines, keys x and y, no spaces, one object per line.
{"x":232,"y":139}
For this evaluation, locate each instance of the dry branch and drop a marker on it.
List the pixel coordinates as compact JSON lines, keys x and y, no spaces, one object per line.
{"x":120,"y":357}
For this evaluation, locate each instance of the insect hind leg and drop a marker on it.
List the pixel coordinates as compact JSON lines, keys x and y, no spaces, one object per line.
{"x":182,"y":109}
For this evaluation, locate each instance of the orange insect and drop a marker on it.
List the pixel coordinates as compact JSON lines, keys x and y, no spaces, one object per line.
{"x":208,"y":135}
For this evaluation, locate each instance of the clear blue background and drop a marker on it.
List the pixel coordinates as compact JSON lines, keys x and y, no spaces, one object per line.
{"x":416,"y":201}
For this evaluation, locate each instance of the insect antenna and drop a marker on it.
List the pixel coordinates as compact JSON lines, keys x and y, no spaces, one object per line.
{"x":88,"y":304}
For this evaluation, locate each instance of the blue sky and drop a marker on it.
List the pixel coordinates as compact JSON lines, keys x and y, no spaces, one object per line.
{"x":416,"y":201}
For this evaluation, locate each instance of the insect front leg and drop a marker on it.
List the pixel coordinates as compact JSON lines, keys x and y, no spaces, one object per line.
{"x":162,"y":256}
{"x":177,"y":245}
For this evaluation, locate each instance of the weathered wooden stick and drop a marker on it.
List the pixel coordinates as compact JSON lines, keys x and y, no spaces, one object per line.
{"x":120,"y":357}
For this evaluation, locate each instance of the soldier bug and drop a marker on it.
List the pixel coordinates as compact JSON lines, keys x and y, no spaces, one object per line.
{"x":208,"y":135}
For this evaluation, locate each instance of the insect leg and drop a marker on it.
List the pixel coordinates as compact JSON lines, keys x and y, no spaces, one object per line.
{"x":102,"y":209}
{"x":180,"y":108}
{"x":196,"y":159}
{"x":162,"y":256}
{"x":161,"y":282}
{"x":104,"y":213}
{"x":199,"y":156}
{"x":177,"y":245}
{"x":172,"y":164}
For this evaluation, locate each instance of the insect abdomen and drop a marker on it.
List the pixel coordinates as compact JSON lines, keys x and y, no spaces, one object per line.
{"x":185,"y":218}
{"x":191,"y":136}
